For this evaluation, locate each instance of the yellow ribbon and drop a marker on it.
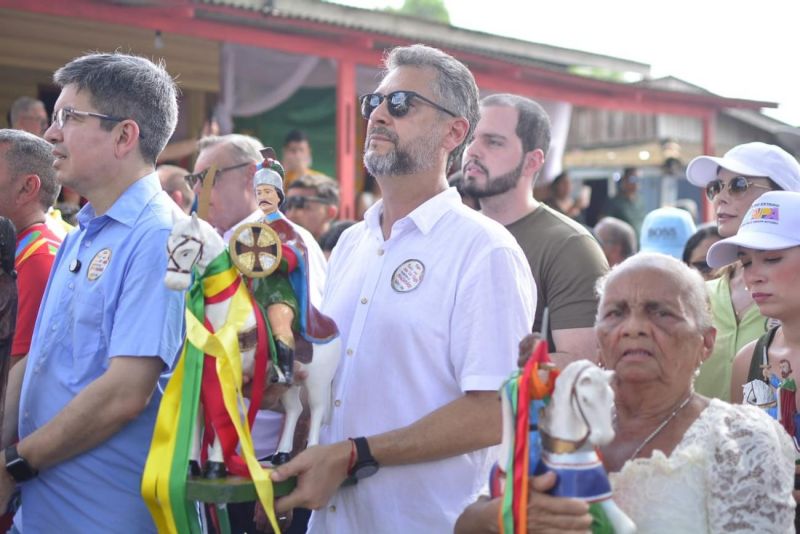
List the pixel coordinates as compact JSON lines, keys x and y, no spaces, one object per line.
{"x":155,"y":479}
{"x":224,"y":346}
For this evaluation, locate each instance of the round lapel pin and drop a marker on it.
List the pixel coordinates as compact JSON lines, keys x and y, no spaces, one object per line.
{"x":98,"y":264}
{"x":408,"y":276}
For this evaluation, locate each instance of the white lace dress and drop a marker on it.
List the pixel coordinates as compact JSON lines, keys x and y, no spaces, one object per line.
{"x":732,"y":472}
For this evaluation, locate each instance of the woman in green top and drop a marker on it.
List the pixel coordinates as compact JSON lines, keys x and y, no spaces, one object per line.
{"x":732,"y":183}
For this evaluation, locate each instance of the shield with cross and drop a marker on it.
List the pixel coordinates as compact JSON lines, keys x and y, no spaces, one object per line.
{"x":255,"y":249}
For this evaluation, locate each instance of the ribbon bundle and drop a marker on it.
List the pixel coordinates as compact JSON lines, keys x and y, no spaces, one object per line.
{"x":528,"y":395}
{"x":164,"y":479}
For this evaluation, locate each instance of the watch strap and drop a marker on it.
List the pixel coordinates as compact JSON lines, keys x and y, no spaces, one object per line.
{"x":17,"y":466}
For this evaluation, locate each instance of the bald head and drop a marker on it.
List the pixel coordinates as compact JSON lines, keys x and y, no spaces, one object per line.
{"x":617,"y":238}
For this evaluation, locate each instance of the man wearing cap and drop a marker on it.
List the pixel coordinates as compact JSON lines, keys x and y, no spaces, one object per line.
{"x":666,"y":230}
{"x":732,"y":183}
{"x":501,"y":164}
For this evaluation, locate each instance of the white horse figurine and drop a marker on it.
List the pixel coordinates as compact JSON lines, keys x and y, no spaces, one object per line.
{"x":577,"y":419}
{"x":194,"y":242}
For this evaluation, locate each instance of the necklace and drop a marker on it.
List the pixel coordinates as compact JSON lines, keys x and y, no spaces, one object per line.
{"x":660,"y":427}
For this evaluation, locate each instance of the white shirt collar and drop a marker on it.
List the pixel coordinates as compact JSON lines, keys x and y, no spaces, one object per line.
{"x":425,"y":216}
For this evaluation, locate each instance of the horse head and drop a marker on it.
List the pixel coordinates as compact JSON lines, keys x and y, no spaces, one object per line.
{"x":192,"y":242}
{"x":582,"y":405}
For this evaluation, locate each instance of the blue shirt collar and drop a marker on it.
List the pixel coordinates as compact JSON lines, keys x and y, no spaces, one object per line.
{"x":130,"y":204}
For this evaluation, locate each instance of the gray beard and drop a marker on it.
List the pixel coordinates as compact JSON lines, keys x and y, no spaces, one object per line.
{"x":418,"y":157}
{"x":494,"y":186}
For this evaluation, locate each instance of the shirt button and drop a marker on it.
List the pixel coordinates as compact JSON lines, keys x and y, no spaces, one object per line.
{"x":380,"y":252}
{"x":27,"y":415}
{"x":87,"y":244}
{"x":71,"y":285}
{"x":337,"y":403}
{"x":53,"y":328}
{"x":349,"y":352}
{"x":363,"y":300}
{"x":332,"y":508}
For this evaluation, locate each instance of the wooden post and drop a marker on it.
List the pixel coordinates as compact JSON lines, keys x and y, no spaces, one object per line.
{"x":346,"y":137}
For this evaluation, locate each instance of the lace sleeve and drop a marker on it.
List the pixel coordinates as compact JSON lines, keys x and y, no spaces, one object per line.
{"x":751,"y":473}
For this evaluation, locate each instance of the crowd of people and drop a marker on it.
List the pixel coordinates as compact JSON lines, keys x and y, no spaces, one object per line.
{"x":432,"y":293}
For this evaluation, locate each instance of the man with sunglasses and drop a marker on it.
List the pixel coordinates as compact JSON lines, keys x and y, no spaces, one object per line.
{"x":312,"y":201}
{"x":430,"y":298}
{"x":501,"y":164}
{"x":108,"y":327}
{"x":732,"y":183}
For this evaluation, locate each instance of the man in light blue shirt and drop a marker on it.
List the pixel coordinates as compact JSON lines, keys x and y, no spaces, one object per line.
{"x":108,"y":327}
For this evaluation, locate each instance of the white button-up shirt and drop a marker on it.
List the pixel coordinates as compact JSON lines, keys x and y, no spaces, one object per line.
{"x":435,"y":311}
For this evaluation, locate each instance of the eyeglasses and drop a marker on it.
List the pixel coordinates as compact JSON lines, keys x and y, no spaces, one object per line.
{"x":61,"y":117}
{"x":198,"y":177}
{"x":737,"y":186}
{"x":701,"y":266}
{"x":397,"y":102}
{"x":299,"y":203}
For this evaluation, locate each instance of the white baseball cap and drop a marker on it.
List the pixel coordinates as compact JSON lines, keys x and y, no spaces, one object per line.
{"x":750,"y":159}
{"x":771,"y":223}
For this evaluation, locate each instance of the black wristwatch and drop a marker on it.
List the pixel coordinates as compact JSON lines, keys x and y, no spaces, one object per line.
{"x":365,"y":465}
{"x":17,"y":466}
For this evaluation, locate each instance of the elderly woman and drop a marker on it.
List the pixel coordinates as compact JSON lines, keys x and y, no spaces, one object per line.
{"x":679,"y":462}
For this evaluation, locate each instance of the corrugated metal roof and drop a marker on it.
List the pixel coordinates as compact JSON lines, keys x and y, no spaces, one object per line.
{"x":432,"y":33}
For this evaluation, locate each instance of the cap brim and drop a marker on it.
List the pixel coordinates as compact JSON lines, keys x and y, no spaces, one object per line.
{"x":703,"y":169}
{"x":725,"y":252}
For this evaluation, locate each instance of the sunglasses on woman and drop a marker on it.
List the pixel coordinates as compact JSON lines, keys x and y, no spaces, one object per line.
{"x":737,"y":186}
{"x":397,"y":102}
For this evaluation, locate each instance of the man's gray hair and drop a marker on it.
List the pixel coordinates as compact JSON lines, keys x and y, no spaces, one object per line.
{"x":242,"y":147}
{"x":692,"y":294}
{"x":613,"y":231}
{"x":29,"y":154}
{"x":130,"y":87}
{"x":22,"y":105}
{"x":454,"y":88}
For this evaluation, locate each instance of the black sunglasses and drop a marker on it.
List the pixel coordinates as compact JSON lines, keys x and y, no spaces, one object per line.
{"x":736,"y":186}
{"x":397,"y":102}
{"x":298,"y":202}
{"x":194,"y":178}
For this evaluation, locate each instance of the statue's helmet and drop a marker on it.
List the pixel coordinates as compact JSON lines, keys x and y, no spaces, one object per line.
{"x":270,"y":172}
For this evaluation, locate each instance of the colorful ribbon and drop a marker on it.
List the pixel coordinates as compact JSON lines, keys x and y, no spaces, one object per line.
{"x":527,"y":395}
{"x":164,"y":479}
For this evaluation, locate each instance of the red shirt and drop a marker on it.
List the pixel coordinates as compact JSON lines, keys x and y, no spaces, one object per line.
{"x":36,"y":250}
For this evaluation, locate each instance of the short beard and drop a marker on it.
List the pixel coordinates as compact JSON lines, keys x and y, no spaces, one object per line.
{"x":494,"y":186}
{"x":418,"y":156}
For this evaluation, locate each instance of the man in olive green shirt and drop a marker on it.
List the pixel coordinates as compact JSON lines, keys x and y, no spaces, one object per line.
{"x":500,"y":166}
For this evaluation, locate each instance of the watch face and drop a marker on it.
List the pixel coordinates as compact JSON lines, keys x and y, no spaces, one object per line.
{"x":366,"y":470}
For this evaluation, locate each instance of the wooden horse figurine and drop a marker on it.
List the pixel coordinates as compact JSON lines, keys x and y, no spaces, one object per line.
{"x":574,"y":417}
{"x":193,"y":244}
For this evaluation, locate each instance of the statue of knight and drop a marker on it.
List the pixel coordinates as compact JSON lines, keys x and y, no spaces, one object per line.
{"x":276,"y":266}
